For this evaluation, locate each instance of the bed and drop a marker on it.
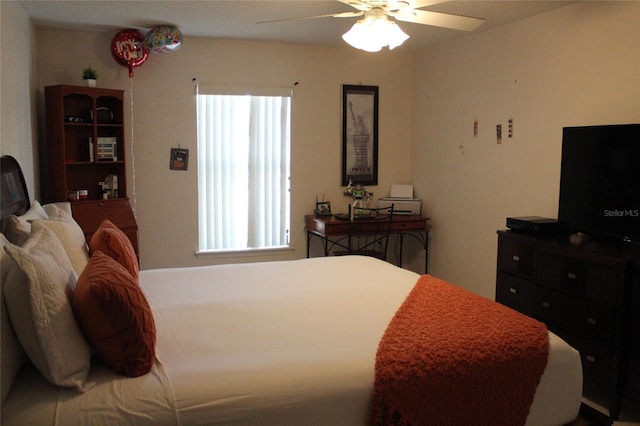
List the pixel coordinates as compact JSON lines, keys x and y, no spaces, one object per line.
{"x":291,"y":342}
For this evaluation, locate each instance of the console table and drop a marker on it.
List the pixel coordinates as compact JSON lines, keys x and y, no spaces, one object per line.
{"x":333,"y":231}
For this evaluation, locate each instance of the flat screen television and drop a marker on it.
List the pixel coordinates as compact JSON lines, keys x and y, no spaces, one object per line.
{"x":600,"y":181}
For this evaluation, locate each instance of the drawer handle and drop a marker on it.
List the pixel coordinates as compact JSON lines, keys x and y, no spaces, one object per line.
{"x":592,"y":321}
{"x":546,"y":305}
{"x":513,"y":290}
{"x":591,"y":358}
{"x":516,"y":258}
{"x":572,"y":275}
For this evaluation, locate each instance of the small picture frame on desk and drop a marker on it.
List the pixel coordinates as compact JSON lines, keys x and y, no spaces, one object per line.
{"x":323,"y":208}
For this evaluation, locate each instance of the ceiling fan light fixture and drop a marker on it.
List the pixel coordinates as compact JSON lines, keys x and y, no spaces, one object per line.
{"x":372,"y":33}
{"x":395,"y":35}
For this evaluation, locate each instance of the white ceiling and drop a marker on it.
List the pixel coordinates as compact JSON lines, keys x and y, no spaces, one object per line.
{"x":238,"y":19}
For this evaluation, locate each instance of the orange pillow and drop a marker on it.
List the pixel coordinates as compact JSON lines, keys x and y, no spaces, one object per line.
{"x":110,"y":240}
{"x":114,"y":315}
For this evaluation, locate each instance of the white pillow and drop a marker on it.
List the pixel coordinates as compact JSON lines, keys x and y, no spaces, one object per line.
{"x":13,"y":356}
{"x":18,"y":228}
{"x":66,"y":229}
{"x":52,"y":209}
{"x":41,"y":314}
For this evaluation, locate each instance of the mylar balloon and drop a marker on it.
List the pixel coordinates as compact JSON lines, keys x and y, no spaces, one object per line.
{"x":164,"y":38}
{"x":129,"y":49}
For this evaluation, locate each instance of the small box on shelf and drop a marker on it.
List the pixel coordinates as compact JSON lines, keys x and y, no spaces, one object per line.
{"x":107,"y":149}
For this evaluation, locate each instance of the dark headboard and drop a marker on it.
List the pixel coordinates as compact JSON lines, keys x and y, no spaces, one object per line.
{"x":15,"y":196}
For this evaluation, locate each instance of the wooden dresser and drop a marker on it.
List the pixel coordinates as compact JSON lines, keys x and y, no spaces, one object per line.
{"x":585,"y":294}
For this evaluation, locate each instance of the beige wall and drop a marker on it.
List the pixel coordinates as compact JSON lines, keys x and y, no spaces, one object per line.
{"x":161,"y":98}
{"x":577,"y":65}
{"x":17,"y":92}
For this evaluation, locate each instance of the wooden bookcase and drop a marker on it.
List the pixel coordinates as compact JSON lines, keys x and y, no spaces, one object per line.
{"x":82,"y":124}
{"x":77,"y":119}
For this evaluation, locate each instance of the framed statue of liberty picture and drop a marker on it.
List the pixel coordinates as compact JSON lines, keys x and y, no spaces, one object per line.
{"x":359,"y":135}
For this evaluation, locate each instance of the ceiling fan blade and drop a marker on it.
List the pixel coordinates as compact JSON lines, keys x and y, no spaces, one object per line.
{"x":357,"y":4}
{"x":367,"y":5}
{"x":331,"y":15}
{"x":417,"y":4}
{"x":437,"y":19}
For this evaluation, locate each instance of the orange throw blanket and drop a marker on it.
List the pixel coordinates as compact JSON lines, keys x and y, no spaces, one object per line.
{"x":451,"y":357}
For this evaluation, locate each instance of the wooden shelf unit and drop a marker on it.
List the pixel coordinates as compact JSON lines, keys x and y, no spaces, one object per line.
{"x":80,"y":123}
{"x":77,"y":119}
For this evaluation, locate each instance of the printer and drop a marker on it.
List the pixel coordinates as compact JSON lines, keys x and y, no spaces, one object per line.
{"x":401,"y":197}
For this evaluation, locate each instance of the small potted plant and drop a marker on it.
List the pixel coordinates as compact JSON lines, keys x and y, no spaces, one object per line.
{"x":90,"y":75}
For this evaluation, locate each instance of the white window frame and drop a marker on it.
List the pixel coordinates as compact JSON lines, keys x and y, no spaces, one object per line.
{"x":237,"y":212}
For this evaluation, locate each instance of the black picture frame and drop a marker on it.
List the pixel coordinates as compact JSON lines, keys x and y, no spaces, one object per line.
{"x":359,"y":134}
{"x":179,"y":159}
{"x":323,"y":208}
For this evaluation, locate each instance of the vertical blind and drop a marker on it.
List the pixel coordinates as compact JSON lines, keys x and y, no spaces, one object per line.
{"x":244,"y":142}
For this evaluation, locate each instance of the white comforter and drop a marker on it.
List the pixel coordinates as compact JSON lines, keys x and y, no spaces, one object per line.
{"x":291,"y":342}
{"x":280,"y":343}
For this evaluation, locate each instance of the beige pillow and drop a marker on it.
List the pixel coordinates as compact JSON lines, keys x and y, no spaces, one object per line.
{"x":13,"y":356}
{"x":18,"y":228}
{"x":40,"y":310}
{"x":65,"y":228}
{"x":53,"y":208}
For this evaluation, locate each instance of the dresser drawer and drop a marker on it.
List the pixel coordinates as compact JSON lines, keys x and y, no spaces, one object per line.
{"x":90,"y":214}
{"x":549,"y":269}
{"x":563,"y":273}
{"x":602,"y":284}
{"x":578,"y":316}
{"x":514,"y":292}
{"x":400,"y":224}
{"x":515,"y":257}
{"x":596,"y":359}
{"x":597,"y":365}
{"x":597,"y":282}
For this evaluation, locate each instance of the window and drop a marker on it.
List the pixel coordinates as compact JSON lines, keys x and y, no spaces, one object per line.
{"x":244,"y":157}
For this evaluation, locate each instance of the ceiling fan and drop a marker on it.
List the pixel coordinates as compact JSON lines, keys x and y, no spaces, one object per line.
{"x":376,"y":30}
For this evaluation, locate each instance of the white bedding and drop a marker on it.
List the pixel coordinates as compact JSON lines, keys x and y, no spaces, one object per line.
{"x":114,"y":400}
{"x":282,"y":343}
{"x":292,"y":341}
{"x":295,"y":342}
